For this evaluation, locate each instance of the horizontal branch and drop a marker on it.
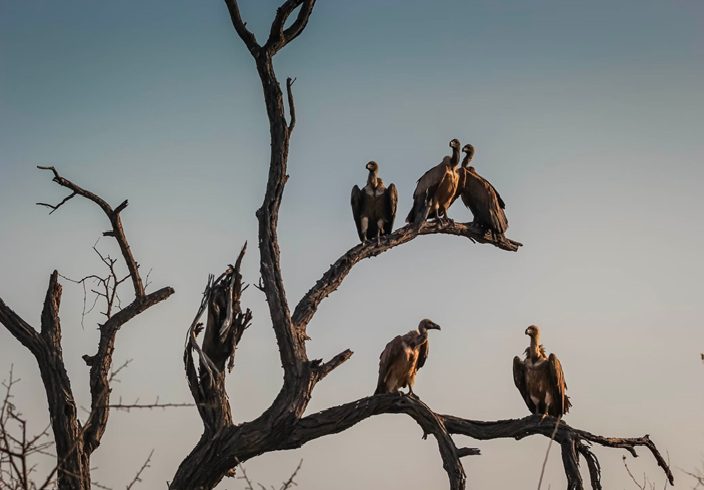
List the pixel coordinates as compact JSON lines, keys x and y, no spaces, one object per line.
{"x":332,"y":279}
{"x":340,"y":418}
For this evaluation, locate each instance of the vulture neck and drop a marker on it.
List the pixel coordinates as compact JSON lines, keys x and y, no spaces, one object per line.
{"x":455,"y":157}
{"x":373,"y":179}
{"x":534,"y":349}
{"x":465,"y":161}
{"x":423,"y":337}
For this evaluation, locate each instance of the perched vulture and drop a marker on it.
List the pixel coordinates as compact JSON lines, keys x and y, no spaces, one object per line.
{"x":436,"y":189}
{"x":374,"y":207}
{"x":402,"y":358}
{"x":481,"y":198}
{"x":540,"y":379}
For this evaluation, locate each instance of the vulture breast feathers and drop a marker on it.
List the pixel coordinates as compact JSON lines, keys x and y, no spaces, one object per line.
{"x":374,"y":206}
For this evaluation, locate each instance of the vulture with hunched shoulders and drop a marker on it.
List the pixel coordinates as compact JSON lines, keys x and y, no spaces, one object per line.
{"x":402,"y":358}
{"x":374,"y":206}
{"x":481,"y":197}
{"x":436,"y":189}
{"x":540,"y":379}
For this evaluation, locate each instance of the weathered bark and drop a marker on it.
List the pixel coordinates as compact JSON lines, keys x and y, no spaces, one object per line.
{"x":76,"y":442}
{"x":223,"y":444}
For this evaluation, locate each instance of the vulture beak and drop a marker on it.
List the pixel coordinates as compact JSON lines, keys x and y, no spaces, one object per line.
{"x":433,"y":326}
{"x":527,"y":332}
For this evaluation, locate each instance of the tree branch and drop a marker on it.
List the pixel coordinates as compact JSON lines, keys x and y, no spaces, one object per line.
{"x":280,"y":37}
{"x":20,"y":329}
{"x":241,"y":27}
{"x":340,"y":418}
{"x":291,"y":105}
{"x":115,"y":220}
{"x":332,"y":279}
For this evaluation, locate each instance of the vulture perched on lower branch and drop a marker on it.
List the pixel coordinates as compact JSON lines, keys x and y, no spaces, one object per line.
{"x":481,"y":197}
{"x":402,"y":358}
{"x":436,"y":189}
{"x":540,"y":379}
{"x":374,"y":206}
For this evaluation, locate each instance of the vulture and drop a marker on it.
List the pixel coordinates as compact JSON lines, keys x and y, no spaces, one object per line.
{"x":540,"y":379}
{"x":436,"y":189}
{"x":374,"y":206}
{"x":402,"y":358}
{"x":481,"y":198}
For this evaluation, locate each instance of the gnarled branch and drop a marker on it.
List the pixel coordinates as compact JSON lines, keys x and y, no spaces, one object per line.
{"x":337,"y":272}
{"x":76,"y":442}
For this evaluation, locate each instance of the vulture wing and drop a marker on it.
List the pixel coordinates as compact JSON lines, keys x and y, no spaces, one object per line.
{"x":393,"y":352}
{"x":519,"y":378}
{"x":357,"y":202}
{"x":391,"y":199}
{"x":422,"y":354}
{"x":425,"y":188}
{"x":481,"y":198}
{"x":558,"y":386}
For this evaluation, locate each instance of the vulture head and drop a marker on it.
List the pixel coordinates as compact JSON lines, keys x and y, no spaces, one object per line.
{"x":455,"y":144}
{"x":533,"y":331}
{"x":426,"y":324}
{"x":469,"y":151}
{"x":373,"y":167}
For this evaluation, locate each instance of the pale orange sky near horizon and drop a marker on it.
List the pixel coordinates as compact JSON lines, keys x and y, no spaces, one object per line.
{"x":586,"y":117}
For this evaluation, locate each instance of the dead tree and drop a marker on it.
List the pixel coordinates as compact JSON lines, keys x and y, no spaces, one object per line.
{"x":76,"y":440}
{"x":224,"y":444}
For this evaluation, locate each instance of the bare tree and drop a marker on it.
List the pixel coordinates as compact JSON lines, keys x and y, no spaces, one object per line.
{"x":224,"y":445}
{"x":75,"y":440}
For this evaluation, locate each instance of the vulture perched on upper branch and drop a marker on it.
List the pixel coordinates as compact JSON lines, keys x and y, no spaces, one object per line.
{"x":540,"y":379}
{"x":374,"y":207}
{"x":436,"y":189}
{"x":481,"y":197}
{"x":402,"y":358}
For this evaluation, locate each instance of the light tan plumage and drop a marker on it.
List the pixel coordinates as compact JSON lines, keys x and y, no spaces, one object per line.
{"x":402,"y":358}
{"x":436,"y":188}
{"x":540,"y":379}
{"x":482,"y":199}
{"x":374,"y":206}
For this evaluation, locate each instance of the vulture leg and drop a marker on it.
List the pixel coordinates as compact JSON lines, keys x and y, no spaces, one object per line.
{"x":365,"y":226}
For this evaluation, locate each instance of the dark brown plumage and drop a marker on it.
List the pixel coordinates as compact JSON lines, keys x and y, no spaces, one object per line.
{"x":540,"y":379}
{"x":402,"y":358}
{"x":374,"y":206}
{"x":436,"y":188}
{"x":481,"y":197}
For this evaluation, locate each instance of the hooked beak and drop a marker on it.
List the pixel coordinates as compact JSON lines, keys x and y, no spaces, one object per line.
{"x":433,"y":326}
{"x":527,"y":331}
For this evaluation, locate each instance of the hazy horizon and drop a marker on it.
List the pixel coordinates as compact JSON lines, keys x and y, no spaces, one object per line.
{"x":587,"y":118}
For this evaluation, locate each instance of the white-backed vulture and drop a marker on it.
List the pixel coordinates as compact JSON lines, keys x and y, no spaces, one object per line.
{"x":436,"y":188}
{"x":540,"y":379}
{"x":481,"y":197}
{"x":402,"y":358}
{"x":374,"y":206}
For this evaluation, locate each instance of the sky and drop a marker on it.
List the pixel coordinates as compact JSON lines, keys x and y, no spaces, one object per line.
{"x":587,"y":116}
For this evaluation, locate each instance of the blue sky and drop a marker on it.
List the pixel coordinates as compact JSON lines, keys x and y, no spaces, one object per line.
{"x":586,"y":116}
